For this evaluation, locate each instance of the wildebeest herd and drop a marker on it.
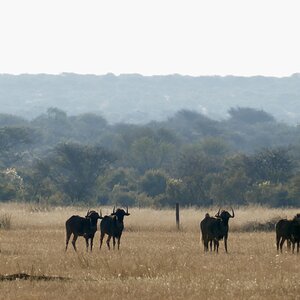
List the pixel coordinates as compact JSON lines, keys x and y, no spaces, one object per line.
{"x":111,"y":225}
{"x":213,"y":229}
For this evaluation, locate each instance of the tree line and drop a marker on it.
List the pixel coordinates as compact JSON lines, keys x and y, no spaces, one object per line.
{"x":248,"y":158}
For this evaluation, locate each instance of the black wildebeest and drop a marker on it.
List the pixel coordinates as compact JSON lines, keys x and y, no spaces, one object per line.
{"x":288,"y":230}
{"x":215,"y":229}
{"x":79,"y":226}
{"x":296,"y":232}
{"x":113,"y":226}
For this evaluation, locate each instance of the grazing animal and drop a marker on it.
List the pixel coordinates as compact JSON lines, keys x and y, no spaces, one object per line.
{"x":113,"y":226}
{"x":283,"y":233}
{"x":215,"y":229}
{"x":288,"y":230}
{"x":295,"y":235}
{"x":79,"y":226}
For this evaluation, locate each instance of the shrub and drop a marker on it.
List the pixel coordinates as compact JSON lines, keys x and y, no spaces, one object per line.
{"x":5,"y":221}
{"x":121,"y":196}
{"x":153,"y":183}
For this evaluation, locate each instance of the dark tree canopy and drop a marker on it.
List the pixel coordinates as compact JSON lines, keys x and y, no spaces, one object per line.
{"x":188,"y":158}
{"x":249,"y":115}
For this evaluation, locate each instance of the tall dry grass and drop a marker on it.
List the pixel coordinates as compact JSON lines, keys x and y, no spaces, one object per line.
{"x":155,"y":260}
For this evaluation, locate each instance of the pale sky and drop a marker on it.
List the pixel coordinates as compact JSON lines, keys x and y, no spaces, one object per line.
{"x":189,"y":37}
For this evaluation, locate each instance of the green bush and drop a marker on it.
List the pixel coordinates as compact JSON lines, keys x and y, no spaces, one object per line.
{"x":153,"y":183}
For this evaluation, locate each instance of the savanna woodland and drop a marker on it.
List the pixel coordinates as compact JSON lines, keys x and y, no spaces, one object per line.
{"x":59,"y":159}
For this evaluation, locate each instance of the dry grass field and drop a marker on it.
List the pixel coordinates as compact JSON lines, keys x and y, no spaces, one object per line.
{"x":155,"y":260}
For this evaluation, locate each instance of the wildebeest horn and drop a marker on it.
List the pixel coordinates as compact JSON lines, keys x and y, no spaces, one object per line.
{"x":88,"y":212}
{"x":218,"y":213}
{"x":127,"y":213}
{"x":232,"y":216}
{"x":113,"y":212}
{"x":100,"y":215}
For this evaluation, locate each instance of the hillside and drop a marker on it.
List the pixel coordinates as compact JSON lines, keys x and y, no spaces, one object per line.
{"x":134,"y":98}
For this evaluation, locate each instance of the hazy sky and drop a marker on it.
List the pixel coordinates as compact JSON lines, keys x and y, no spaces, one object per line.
{"x":195,"y":37}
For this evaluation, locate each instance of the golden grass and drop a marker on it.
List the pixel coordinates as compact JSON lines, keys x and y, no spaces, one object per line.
{"x":155,"y":260}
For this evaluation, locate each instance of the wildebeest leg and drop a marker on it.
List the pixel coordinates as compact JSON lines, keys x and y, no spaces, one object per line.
{"x":67,"y":239}
{"x":277,"y":242}
{"x":87,"y":244}
{"x":92,"y":243}
{"x":293,"y":247}
{"x":101,"y":238}
{"x":205,"y":243}
{"x":289,"y":245}
{"x":210,"y":245}
{"x":225,"y":243}
{"x":216,"y":246}
{"x":114,"y":242}
{"x":298,"y":246}
{"x":281,"y":243}
{"x":74,"y":241}
{"x":107,"y":242}
{"x":119,"y":241}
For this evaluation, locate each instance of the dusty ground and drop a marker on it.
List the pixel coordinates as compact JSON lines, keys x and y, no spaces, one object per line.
{"x":155,"y":260}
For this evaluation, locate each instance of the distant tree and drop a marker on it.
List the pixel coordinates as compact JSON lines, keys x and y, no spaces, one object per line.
{"x":11,"y":185}
{"x":267,"y":193}
{"x":54,"y":126}
{"x":193,"y":167}
{"x":294,"y":190}
{"x":88,"y":127}
{"x":76,"y":168}
{"x":129,"y":133}
{"x":39,"y":181}
{"x":11,"y":120}
{"x":13,"y":142}
{"x":272,"y":165}
{"x":193,"y":126}
{"x":213,"y":146}
{"x":112,"y":177}
{"x":56,"y":114}
{"x":122,"y":196}
{"x":167,"y":136}
{"x":147,"y":153}
{"x":175,"y":192}
{"x":249,"y":115}
{"x":229,"y":188}
{"x":153,"y":183}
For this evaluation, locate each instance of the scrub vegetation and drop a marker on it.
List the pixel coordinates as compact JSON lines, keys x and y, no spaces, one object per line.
{"x":56,"y":159}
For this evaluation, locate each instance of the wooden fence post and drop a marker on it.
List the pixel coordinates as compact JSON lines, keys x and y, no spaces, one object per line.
{"x":177,"y":216}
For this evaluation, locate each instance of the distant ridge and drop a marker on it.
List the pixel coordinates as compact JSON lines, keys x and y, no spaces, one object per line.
{"x":134,"y":98}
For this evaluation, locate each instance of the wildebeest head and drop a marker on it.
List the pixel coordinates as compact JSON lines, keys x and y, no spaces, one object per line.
{"x":225,"y":215}
{"x":120,"y":213}
{"x":297,"y":217}
{"x":93,"y":216}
